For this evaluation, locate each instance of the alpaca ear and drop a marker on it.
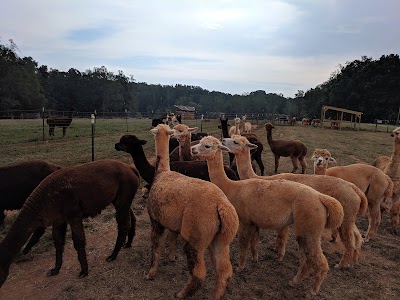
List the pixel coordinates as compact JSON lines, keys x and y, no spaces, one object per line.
{"x":143,"y":142}
{"x":332,"y":160}
{"x":251,"y":146}
{"x":154,"y":130}
{"x":313,"y":158}
{"x":223,"y":148}
{"x":193,"y":129}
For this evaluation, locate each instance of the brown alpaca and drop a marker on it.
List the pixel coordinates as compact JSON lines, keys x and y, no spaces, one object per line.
{"x":67,"y":196}
{"x":294,"y":149}
{"x":63,"y":122}
{"x":351,"y":197}
{"x":199,"y":211}
{"x":275,"y":205}
{"x":183,"y":134}
{"x":391,"y":166}
{"x":376,"y":185}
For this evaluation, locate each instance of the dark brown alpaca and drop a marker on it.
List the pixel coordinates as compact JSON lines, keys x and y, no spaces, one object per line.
{"x":252,"y":137}
{"x":60,"y":121}
{"x":294,"y":149}
{"x":67,"y":197}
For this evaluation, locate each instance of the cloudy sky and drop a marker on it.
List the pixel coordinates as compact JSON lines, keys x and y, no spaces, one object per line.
{"x":232,"y":46}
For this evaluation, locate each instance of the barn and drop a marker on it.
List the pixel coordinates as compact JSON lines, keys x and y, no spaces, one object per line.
{"x":187,"y":112}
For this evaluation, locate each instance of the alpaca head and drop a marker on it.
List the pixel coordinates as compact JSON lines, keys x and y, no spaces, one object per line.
{"x":238,"y":144}
{"x":322,"y":157}
{"x":268,"y":126}
{"x":396,"y":134}
{"x":181,"y":131}
{"x":208,"y":147}
{"x":237,"y":121}
{"x":161,"y":130}
{"x":128,"y":142}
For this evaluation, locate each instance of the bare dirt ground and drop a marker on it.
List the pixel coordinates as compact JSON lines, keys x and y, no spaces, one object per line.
{"x":376,"y":276}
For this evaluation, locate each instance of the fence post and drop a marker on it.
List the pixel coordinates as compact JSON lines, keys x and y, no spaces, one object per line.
{"x":201,"y":123}
{"x":126,"y":118}
{"x":43,"y":122}
{"x":92,"y":121}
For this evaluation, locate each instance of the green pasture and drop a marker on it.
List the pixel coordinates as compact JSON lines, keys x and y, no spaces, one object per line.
{"x":22,"y":140}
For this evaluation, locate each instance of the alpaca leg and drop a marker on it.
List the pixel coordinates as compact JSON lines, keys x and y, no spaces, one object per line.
{"x":37,"y":234}
{"x":132,"y":229}
{"x":260,"y":164}
{"x":295,"y":162}
{"x":59,"y":242}
{"x":79,"y":240}
{"x":122,"y":216}
{"x":223,"y":268}
{"x":244,"y":240}
{"x":334,"y":235}
{"x":374,"y":218}
{"x":395,"y":211}
{"x":197,"y":270}
{"x":303,"y":271}
{"x":347,"y":237}
{"x":157,"y":242}
{"x":303,"y":164}
{"x":281,"y":240}
{"x":319,"y":264}
{"x":171,"y":242}
{"x":358,"y":242}
{"x":255,"y":239}
{"x":276,"y":163}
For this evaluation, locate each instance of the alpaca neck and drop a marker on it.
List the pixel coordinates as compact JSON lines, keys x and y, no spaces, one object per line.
{"x":244,"y":166}
{"x":237,"y":130}
{"x":162,"y":152}
{"x":269,"y":137}
{"x":224,"y":129}
{"x":319,"y":170}
{"x":146,"y":170}
{"x":184,"y":147}
{"x":393,"y":168}
{"x":217,"y":173}
{"x":16,"y":237}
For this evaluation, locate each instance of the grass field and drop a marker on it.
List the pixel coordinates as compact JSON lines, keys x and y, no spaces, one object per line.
{"x":376,"y":277}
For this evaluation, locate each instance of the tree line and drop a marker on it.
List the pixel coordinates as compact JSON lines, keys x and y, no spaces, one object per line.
{"x":366,"y":85}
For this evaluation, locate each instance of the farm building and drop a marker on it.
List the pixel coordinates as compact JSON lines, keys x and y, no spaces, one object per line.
{"x":187,"y":112}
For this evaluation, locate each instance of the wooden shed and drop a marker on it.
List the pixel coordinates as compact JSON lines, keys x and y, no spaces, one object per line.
{"x":187,"y":112}
{"x":355,"y":117}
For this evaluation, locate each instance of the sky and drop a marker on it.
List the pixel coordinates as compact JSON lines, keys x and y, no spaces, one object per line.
{"x":229,"y":46}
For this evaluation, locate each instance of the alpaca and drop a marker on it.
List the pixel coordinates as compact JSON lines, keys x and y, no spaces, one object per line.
{"x":294,"y":149}
{"x":253,"y":138}
{"x":183,"y":134}
{"x":236,"y":128}
{"x":305,"y":121}
{"x":196,"y":136}
{"x":246,"y":125}
{"x":197,"y":169}
{"x":202,"y":215}
{"x":293,"y":121}
{"x":316,"y":122}
{"x":59,"y":121}
{"x":350,"y":197}
{"x":67,"y":196}
{"x":377,"y":186}
{"x":275,"y":205}
{"x":18,"y":180}
{"x":391,"y":166}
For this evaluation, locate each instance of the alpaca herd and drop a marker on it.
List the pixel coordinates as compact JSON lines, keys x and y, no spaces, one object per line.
{"x":194,"y":194}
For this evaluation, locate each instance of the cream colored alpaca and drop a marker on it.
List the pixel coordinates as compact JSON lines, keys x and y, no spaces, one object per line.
{"x":376,"y":185}
{"x":183,"y":134}
{"x":246,"y":125}
{"x":199,"y":211}
{"x":391,"y":166}
{"x":351,"y":197}
{"x":275,"y":205}
{"x":236,"y":128}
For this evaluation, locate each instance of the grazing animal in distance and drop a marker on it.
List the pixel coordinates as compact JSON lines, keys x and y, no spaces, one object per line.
{"x":275,"y":205}
{"x":202,"y":215}
{"x":18,"y":180}
{"x":60,"y":121}
{"x":67,"y":197}
{"x":294,"y":149}
{"x":316,"y":122}
{"x":246,"y":125}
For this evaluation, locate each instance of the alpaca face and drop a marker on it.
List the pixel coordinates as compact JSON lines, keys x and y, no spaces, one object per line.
{"x":322,"y":157}
{"x":396,"y":133}
{"x":238,"y":144}
{"x":207,"y":148}
{"x":181,"y":131}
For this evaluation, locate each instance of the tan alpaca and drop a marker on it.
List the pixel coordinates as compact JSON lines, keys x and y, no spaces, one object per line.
{"x":376,"y":185}
{"x":275,"y":205}
{"x":183,"y":134}
{"x":391,"y":166}
{"x":199,"y":211}
{"x":247,"y":128}
{"x":350,"y":197}
{"x":236,"y":128}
